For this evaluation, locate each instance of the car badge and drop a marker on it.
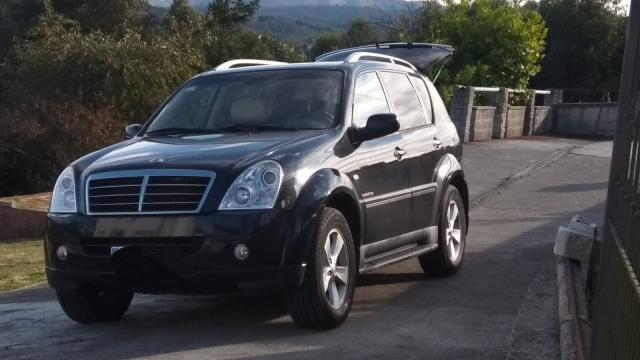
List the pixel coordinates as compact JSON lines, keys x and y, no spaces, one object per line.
{"x":156,"y":160}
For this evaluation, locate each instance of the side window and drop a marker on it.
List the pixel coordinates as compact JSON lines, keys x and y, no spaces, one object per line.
{"x":405,"y":100}
{"x":421,"y":87}
{"x":439,"y":109}
{"x":369,"y":99}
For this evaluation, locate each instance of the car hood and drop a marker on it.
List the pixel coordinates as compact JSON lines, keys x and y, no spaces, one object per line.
{"x":216,"y":152}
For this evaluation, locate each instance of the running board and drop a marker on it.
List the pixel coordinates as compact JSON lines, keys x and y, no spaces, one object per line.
{"x":396,"y":255}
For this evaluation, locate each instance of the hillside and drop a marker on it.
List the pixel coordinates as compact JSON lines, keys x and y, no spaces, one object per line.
{"x":303,"y":24}
{"x":303,"y":21}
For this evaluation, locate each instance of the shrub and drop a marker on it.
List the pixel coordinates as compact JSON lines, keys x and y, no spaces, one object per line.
{"x":41,"y":137}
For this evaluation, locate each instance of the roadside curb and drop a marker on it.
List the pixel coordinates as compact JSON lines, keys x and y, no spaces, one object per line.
{"x":23,"y":288}
{"x":575,"y":327}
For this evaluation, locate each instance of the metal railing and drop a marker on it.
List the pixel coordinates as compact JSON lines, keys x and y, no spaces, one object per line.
{"x":616,"y":321}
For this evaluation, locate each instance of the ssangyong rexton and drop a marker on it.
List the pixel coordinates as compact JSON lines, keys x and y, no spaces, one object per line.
{"x":261,"y":175}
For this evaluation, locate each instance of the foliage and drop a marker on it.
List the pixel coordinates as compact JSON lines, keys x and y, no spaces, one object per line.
{"x":109,"y":16}
{"x":16,"y":17}
{"x":58,"y":60}
{"x":227,"y":14}
{"x":40,"y":137}
{"x":497,"y":43}
{"x":360,"y":32}
{"x":585,"y":45}
{"x":69,"y":85}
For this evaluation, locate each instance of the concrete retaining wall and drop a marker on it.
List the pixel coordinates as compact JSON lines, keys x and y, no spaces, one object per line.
{"x":481,"y":123}
{"x":586,"y":119}
{"x":515,"y":121}
{"x":19,"y":223}
{"x":542,"y":120}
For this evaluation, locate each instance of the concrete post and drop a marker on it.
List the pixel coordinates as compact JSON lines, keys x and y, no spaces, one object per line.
{"x":500,"y":117}
{"x":461,"y":108}
{"x":529,"y":116}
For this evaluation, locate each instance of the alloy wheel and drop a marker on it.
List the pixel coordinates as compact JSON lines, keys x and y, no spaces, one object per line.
{"x":454,"y":232}
{"x":335,"y":270}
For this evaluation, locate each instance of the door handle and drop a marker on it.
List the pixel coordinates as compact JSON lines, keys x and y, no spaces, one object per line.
{"x":399,"y":153}
{"x":437,"y":142}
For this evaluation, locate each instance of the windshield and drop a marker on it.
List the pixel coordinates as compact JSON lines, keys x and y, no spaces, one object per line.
{"x":267,"y":100}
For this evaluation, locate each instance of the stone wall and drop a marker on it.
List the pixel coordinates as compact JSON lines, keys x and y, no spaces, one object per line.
{"x":515,"y":121}
{"x":481,"y":123}
{"x":19,"y":223}
{"x":597,"y":119}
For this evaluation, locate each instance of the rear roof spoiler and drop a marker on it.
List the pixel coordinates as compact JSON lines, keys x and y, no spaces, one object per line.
{"x":427,"y":58}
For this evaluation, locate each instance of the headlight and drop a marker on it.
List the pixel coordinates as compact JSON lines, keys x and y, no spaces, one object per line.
{"x":63,"y":198}
{"x":256,"y":188}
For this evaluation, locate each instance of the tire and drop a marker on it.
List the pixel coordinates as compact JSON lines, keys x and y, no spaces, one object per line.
{"x":447,"y":259}
{"x":324,"y":299}
{"x":91,"y":305}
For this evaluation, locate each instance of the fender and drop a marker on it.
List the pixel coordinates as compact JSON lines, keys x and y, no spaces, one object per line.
{"x":321,"y":187}
{"x":447,"y":168}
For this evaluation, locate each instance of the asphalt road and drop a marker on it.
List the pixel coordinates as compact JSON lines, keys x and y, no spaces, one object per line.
{"x":502,"y":304}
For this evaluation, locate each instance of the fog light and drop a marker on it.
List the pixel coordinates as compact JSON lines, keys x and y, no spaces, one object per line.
{"x":241,"y":252}
{"x":61,"y":253}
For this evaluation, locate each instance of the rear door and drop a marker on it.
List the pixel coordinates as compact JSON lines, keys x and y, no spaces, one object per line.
{"x":412,"y":103}
{"x":427,"y":58}
{"x":383,"y":177}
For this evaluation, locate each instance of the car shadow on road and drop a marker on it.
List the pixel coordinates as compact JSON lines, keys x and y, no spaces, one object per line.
{"x":389,"y":278}
{"x":572,"y":188}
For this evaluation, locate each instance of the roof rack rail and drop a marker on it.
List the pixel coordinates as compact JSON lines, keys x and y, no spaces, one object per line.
{"x":237,"y":63}
{"x":369,"y":56}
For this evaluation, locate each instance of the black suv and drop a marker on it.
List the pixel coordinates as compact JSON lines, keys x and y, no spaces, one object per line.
{"x":261,"y":175}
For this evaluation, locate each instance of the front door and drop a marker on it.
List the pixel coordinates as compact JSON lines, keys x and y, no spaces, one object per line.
{"x":412,"y":103}
{"x":384,"y":176}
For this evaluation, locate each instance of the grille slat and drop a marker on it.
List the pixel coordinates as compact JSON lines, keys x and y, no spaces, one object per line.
{"x":155,"y":191}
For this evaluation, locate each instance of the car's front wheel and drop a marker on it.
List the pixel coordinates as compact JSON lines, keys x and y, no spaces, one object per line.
{"x":324,"y":299}
{"x":92,"y":305}
{"x":452,"y":231}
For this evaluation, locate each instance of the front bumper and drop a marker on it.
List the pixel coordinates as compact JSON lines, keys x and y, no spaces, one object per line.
{"x":171,"y":253}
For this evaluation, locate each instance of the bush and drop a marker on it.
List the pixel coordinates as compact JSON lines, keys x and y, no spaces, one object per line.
{"x":41,"y":137}
{"x":137,"y":74}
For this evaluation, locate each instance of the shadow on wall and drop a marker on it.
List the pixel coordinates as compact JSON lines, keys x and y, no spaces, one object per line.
{"x":20,"y":223}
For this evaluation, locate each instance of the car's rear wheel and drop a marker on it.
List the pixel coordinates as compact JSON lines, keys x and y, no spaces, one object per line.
{"x":92,"y":305}
{"x":324,"y":299}
{"x":452,"y":230}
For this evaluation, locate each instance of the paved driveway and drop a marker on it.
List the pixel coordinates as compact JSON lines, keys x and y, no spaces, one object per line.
{"x":501,"y":304}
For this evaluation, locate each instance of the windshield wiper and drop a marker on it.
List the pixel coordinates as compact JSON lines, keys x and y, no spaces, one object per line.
{"x":253,"y":128}
{"x":178,"y":131}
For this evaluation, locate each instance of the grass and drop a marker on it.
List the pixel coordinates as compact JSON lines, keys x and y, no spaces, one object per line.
{"x":21,"y":263}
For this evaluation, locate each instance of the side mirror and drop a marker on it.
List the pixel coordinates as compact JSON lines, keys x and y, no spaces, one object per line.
{"x":132,"y":130}
{"x":378,"y":125}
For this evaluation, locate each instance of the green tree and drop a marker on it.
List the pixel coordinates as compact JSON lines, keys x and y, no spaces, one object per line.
{"x":227,"y":14}
{"x":585,"y":44}
{"x":16,"y":17}
{"x":360,"y":32}
{"x":327,"y":43}
{"x":183,"y":18}
{"x":497,"y":43}
{"x":109,"y":16}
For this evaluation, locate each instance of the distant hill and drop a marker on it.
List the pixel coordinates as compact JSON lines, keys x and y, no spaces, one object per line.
{"x":381,"y":4}
{"x":304,"y":24}
{"x":303,"y":21}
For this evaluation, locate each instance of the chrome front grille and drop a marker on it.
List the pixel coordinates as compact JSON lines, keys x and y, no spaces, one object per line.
{"x":147,"y":191}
